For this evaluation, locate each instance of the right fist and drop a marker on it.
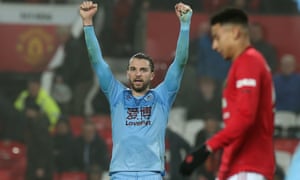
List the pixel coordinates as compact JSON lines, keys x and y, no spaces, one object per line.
{"x":87,"y":10}
{"x":183,"y":11}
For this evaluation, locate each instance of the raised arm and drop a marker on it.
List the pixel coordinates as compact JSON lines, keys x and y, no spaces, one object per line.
{"x":175,"y":71}
{"x":87,"y":10}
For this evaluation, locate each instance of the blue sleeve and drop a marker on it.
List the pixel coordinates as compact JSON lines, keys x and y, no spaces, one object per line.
{"x":293,"y":170}
{"x":109,"y":85}
{"x":175,"y":72}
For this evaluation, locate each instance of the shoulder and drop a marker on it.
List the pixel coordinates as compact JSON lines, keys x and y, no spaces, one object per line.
{"x":23,"y":94}
{"x":251,"y":55}
{"x":252,"y":60}
{"x":44,"y":93}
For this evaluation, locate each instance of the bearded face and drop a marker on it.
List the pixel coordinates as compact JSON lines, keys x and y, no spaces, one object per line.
{"x":139,"y":75}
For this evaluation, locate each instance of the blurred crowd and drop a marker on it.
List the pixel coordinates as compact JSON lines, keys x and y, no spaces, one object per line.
{"x":42,"y":120}
{"x":252,"y":6}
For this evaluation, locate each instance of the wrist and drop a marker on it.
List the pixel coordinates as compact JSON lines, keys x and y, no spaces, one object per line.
{"x":184,"y":25}
{"x":87,"y":22}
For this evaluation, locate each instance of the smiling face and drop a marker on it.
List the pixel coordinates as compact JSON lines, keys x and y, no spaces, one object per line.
{"x":139,"y":75}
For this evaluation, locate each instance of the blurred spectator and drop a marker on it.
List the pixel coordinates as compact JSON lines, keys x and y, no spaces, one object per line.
{"x":59,"y":1}
{"x":11,"y":124}
{"x":211,"y":126}
{"x":167,"y":5}
{"x":161,"y":5}
{"x":284,"y":7}
{"x":213,"y":5}
{"x":175,"y":144}
{"x":279,"y":173}
{"x":38,"y":142}
{"x":100,"y":104}
{"x":63,"y":146}
{"x":195,"y":4}
{"x":204,"y":5}
{"x":95,"y":173}
{"x":28,"y":1}
{"x":188,"y":89}
{"x":258,"y":40}
{"x":121,"y":25}
{"x":287,"y":85}
{"x":208,"y":170}
{"x":137,"y":25}
{"x":37,"y":1}
{"x":76,"y":73}
{"x":126,"y":25}
{"x":241,"y":4}
{"x":46,"y":103}
{"x":13,"y":1}
{"x":252,"y":6}
{"x":208,"y":62}
{"x":106,"y":31}
{"x":62,"y":94}
{"x":90,"y":149}
{"x":206,"y":100}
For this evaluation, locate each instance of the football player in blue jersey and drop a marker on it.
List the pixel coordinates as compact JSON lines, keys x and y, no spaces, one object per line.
{"x":139,"y":114}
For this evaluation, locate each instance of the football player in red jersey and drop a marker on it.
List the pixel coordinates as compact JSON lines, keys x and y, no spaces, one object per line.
{"x":248,"y":102}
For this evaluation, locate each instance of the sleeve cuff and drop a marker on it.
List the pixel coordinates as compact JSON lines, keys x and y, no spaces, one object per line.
{"x":88,"y":27}
{"x":185,"y":26}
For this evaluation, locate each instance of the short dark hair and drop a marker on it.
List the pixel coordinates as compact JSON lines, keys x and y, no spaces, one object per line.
{"x":34,"y":78}
{"x":145,"y":57}
{"x":230,"y":15}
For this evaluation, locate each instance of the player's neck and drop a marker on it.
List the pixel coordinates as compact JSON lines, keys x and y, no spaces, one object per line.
{"x":139,"y":94}
{"x":240,"y":49}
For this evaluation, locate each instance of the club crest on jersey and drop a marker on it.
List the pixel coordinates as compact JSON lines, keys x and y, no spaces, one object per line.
{"x":149,"y":97}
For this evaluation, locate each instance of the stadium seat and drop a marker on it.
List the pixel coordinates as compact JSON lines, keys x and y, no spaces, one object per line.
{"x":293,"y":132}
{"x":192,"y":127}
{"x":103,"y":126}
{"x":13,"y":158}
{"x":177,"y":119}
{"x":286,"y":144}
{"x":76,"y":123}
{"x":278,"y":132}
{"x":105,"y":176}
{"x":56,"y":176}
{"x":285,"y":119}
{"x":73,"y":176}
{"x":102,"y":122}
{"x":283,"y":159}
{"x":298,"y":120}
{"x":5,"y":174}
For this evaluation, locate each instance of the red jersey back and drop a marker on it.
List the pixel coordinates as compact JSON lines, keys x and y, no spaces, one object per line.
{"x":248,"y":113}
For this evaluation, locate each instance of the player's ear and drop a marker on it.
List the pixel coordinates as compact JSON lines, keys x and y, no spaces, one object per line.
{"x":237,"y":32}
{"x":152,"y":76}
{"x":127,"y":74}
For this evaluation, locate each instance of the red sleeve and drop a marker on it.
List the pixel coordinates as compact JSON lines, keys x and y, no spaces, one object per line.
{"x":246,"y":85}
